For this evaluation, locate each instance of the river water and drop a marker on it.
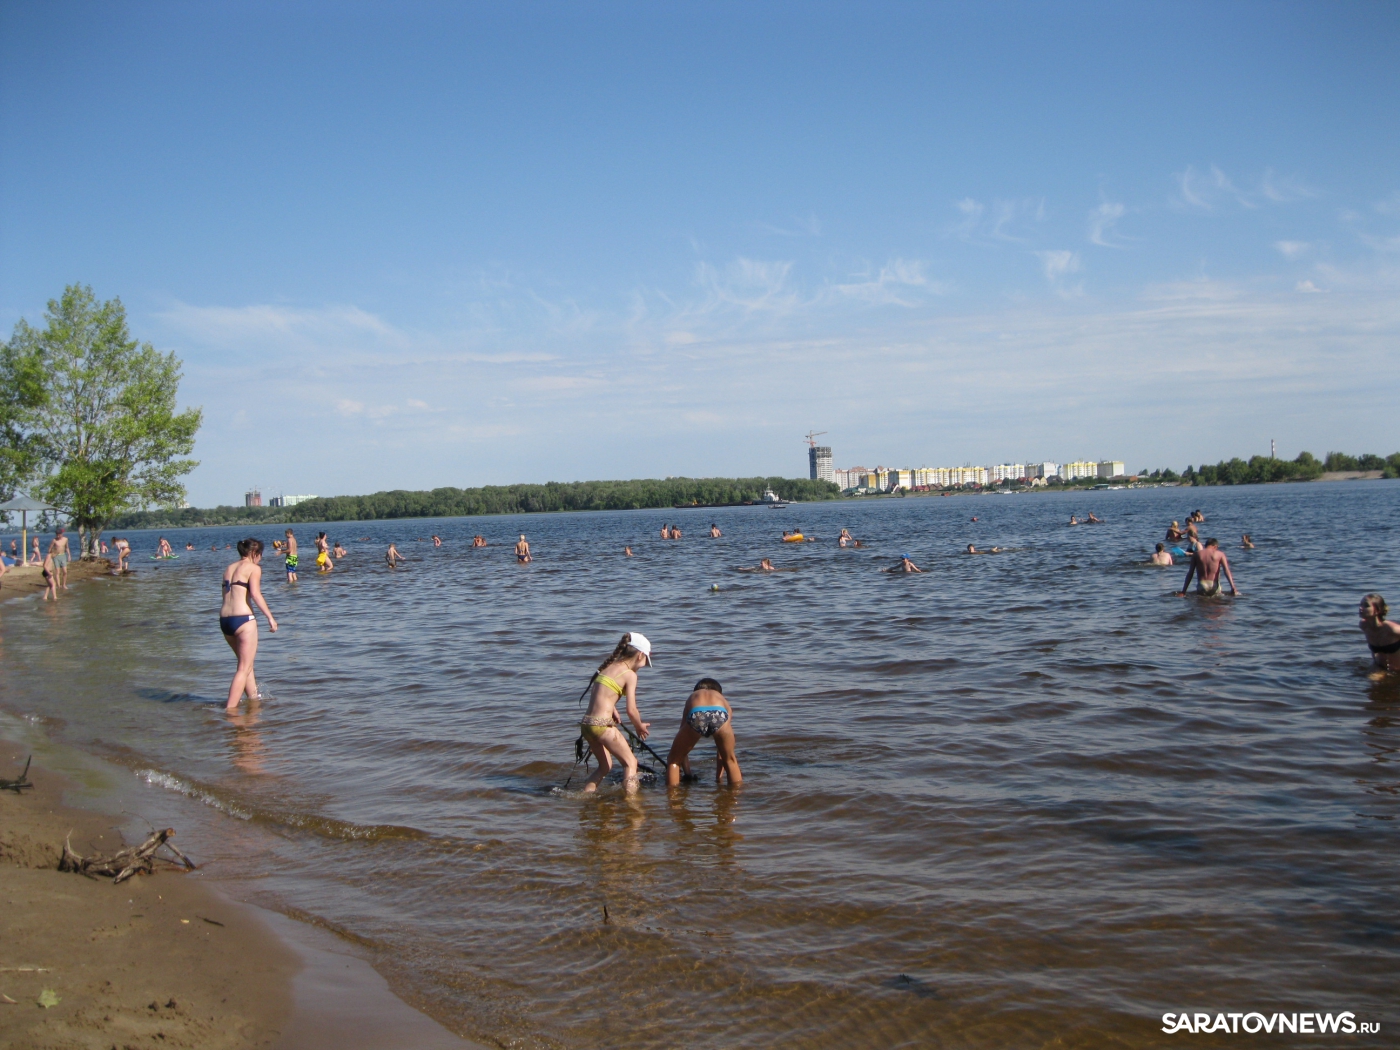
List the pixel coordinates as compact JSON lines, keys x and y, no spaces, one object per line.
{"x":1019,"y":800}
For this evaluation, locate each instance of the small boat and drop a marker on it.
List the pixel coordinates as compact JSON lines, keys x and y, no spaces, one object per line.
{"x":771,"y":500}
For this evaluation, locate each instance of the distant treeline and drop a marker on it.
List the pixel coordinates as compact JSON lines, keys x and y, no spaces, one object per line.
{"x":492,"y":499}
{"x":1306,"y":467}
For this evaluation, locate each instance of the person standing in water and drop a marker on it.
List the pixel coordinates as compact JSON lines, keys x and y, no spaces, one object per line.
{"x":50,"y":572}
{"x":714,"y":531}
{"x":1382,"y":635}
{"x":290,"y":562}
{"x":1207,"y":563}
{"x":242,"y":588}
{"x":59,"y":550}
{"x":323,"y":553}
{"x":616,"y":680}
{"x":393,"y":557}
{"x":522,"y":551}
{"x":1162,"y":557}
{"x":707,"y":715}
{"x":627,"y":551}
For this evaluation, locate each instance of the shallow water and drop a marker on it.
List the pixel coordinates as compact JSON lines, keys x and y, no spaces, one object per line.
{"x":1017,"y":799}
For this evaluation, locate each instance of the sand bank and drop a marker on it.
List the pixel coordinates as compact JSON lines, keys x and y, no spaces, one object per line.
{"x":20,"y":580}
{"x":157,"y":961}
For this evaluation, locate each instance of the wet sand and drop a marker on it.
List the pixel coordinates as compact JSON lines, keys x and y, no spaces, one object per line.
{"x":29,"y":579}
{"x":157,"y":961}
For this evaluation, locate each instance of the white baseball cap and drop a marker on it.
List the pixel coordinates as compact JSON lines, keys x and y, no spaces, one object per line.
{"x":641,"y":643}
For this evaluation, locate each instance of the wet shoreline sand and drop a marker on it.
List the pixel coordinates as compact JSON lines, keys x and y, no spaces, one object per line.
{"x":20,"y":581}
{"x":156,"y":958}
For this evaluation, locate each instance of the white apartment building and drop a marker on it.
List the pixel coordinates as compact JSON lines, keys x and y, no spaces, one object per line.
{"x":1111,"y":468}
{"x":1080,"y":468}
{"x":1046,"y":470}
{"x":1008,"y":472}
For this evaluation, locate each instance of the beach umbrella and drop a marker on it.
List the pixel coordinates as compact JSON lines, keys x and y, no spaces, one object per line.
{"x":24,"y":505}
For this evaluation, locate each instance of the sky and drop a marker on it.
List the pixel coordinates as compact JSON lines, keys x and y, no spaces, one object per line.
{"x":409,"y":245}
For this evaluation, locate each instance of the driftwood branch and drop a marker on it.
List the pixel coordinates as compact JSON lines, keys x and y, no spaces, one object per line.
{"x":19,"y":784}
{"x":134,"y":860}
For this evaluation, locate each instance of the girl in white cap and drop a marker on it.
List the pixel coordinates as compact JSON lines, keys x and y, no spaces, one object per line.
{"x":616,"y":678}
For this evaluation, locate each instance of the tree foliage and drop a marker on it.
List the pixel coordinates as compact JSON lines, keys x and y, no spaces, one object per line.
{"x":101,"y":433}
{"x":502,"y":499}
{"x":1307,"y":467}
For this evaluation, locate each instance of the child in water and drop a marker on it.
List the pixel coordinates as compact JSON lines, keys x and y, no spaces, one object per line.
{"x":707,"y":715}
{"x":616,"y":679}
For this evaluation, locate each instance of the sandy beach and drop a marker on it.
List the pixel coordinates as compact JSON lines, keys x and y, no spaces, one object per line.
{"x":21,"y":580}
{"x":155,"y":961}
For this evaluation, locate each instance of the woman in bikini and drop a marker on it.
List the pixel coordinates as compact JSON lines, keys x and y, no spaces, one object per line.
{"x":1382,"y":635}
{"x":242,"y":587}
{"x":616,"y":679}
{"x":707,"y":716}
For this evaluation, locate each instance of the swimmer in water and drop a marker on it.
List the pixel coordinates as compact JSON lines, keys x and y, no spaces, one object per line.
{"x":843,"y":539}
{"x":973,"y":550}
{"x":714,"y":531}
{"x":393,"y":557}
{"x":627,"y":551}
{"x":522,"y":551}
{"x":1382,"y":635}
{"x":666,"y":531}
{"x":1196,"y":516}
{"x":1093,"y":520}
{"x":615,"y":680}
{"x":707,"y":715}
{"x":289,"y":562}
{"x":242,"y":588}
{"x":675,"y":532}
{"x":1162,"y":556}
{"x":189,"y":546}
{"x":766,"y":565}
{"x":1207,"y":563}
{"x":1073,"y":520}
{"x":905,"y":565}
{"x":338,"y":551}
{"x":1246,"y":543}
{"x":437,"y":540}
{"x":1174,"y":533}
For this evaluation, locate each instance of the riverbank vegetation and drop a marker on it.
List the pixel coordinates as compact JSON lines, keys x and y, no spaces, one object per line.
{"x":1307,"y":467}
{"x":495,"y":499}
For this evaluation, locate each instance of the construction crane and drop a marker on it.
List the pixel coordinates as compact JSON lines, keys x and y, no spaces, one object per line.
{"x":812,"y":436}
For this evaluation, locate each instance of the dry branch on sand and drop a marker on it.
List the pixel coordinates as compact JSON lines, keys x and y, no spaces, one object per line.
{"x":134,"y":860}
{"x":20,"y":783}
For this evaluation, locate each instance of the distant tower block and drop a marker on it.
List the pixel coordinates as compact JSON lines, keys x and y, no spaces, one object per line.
{"x":819,"y":460}
{"x":252,"y":498}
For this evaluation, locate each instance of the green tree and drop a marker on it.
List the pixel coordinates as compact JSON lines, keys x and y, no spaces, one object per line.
{"x":21,"y":393}
{"x":105,"y":434}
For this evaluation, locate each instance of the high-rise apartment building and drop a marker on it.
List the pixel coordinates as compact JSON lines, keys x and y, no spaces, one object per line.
{"x":252,"y":498}
{"x":1111,"y":468}
{"x":819,"y":460}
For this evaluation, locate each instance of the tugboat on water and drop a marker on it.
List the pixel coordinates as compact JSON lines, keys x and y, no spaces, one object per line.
{"x":772,"y":501}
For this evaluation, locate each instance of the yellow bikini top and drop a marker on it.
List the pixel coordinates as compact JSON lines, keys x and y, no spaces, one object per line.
{"x":603,"y":679}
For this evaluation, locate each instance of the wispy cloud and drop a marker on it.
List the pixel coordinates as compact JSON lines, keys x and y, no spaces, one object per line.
{"x":1101,"y":222}
{"x":1002,"y":222}
{"x":1212,"y":189}
{"x":892,"y":284}
{"x":1058,"y":265}
{"x":1291,"y":249}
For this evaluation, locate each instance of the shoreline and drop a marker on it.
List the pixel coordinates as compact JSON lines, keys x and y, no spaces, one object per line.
{"x":159,"y":959}
{"x":168,"y":959}
{"x":23,"y":580}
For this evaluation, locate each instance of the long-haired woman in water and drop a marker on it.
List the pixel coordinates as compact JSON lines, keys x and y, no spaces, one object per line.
{"x":616,"y":679}
{"x":1382,"y":635}
{"x":242,"y":587}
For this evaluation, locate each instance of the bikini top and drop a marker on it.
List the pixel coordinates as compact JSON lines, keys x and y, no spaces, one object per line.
{"x":230,"y":584}
{"x":603,"y":679}
{"x":1393,"y":647}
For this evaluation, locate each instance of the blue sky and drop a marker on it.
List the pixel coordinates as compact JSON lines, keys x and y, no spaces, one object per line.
{"x":410,"y":245}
